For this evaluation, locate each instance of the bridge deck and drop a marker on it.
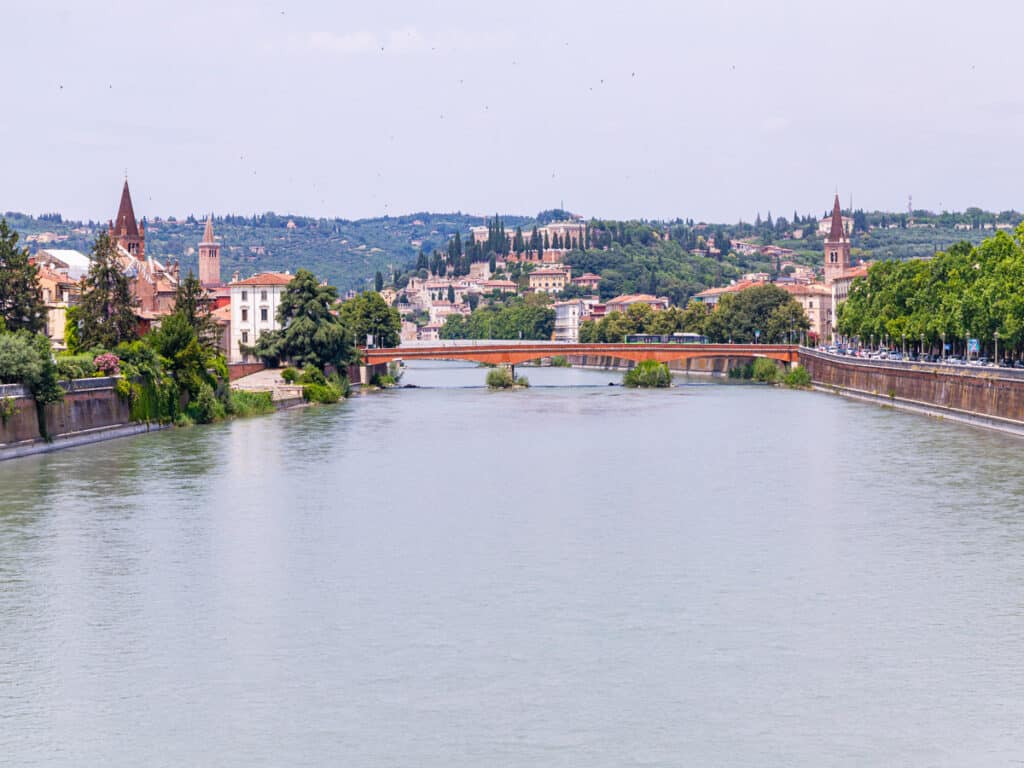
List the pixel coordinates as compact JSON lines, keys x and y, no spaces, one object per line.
{"x":512,"y":352}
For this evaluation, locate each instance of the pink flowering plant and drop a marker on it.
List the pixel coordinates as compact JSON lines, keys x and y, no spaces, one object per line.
{"x":107,"y":364}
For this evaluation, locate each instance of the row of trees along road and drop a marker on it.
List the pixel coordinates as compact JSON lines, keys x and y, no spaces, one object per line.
{"x":766,"y":313}
{"x":965,"y":292}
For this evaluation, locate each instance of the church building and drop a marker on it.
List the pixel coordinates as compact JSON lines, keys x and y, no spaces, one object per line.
{"x":154,"y":286}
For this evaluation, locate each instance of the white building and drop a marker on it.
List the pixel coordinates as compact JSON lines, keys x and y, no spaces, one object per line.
{"x":568,"y":316}
{"x":254,"y":304}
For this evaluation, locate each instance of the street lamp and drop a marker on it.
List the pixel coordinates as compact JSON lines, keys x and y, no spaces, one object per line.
{"x":904,"y":337}
{"x":996,"y":356}
{"x":922,"y":345}
{"x":943,"y":346}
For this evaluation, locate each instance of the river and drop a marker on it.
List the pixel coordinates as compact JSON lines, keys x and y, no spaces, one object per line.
{"x":570,"y":575}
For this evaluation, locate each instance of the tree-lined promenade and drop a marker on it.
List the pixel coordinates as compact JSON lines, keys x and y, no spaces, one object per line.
{"x":968,"y":292}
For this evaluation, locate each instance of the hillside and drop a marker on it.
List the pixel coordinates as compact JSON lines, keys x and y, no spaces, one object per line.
{"x":348,"y":252}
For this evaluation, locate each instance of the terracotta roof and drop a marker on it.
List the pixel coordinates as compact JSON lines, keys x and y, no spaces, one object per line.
{"x":126,"y":214}
{"x":859,"y":271}
{"x":266,"y":278}
{"x":836,"y":233}
{"x":742,"y":285}
{"x":806,"y":288}
{"x":208,"y":233}
{"x":548,"y":272}
{"x":222,"y":314}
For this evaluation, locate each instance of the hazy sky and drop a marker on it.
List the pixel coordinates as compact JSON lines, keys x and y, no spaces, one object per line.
{"x":711,"y":110}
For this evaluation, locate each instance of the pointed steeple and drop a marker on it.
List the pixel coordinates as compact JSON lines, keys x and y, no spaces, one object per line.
{"x":125,"y":220}
{"x":836,"y":233}
{"x":208,"y":232}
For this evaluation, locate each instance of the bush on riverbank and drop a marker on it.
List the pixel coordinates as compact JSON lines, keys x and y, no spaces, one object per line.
{"x":765,"y":370}
{"x":243,"y":403}
{"x":648,"y":374}
{"x":798,"y":377}
{"x":560,"y":361}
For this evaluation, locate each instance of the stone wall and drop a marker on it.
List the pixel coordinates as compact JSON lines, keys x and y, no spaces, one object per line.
{"x":88,"y":404}
{"x":711,"y":365}
{"x":992,"y":393}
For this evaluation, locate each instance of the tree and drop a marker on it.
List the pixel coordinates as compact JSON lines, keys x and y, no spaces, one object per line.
{"x":105,"y":309}
{"x":192,"y":301}
{"x":20,"y":304}
{"x":378,"y":282}
{"x":451,"y":293}
{"x":26,"y":358}
{"x":369,"y":315}
{"x":310,"y":334}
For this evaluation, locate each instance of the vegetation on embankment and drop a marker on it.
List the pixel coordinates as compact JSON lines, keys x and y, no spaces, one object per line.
{"x":648,"y":374}
{"x":767,"y":371}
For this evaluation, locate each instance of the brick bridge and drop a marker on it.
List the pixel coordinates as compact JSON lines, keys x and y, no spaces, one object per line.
{"x":514,"y":352}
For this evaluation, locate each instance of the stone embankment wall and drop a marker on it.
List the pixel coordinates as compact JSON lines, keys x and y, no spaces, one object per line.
{"x":716,"y":366}
{"x":990,"y":397}
{"x":90,"y":411}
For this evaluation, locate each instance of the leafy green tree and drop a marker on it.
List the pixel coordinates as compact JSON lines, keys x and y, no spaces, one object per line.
{"x":26,"y":358}
{"x":193,"y":302}
{"x":310,"y":333}
{"x":368,"y":314}
{"x":378,"y":282}
{"x":451,"y":293}
{"x":105,"y":309}
{"x":20,"y":305}
{"x":751,"y":315}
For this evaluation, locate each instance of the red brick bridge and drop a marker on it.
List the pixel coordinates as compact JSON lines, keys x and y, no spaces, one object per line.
{"x":514,"y":352}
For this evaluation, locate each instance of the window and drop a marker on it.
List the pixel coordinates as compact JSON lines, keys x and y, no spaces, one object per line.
{"x":245,"y":337}
{"x":263,"y":314}
{"x":245,"y":315}
{"x":245,"y":295}
{"x":263,"y":295}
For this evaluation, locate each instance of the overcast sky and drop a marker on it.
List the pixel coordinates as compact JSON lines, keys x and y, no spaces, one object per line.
{"x":714,"y":110}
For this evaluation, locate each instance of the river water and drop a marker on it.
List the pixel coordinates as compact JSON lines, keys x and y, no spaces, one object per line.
{"x":573,"y":575}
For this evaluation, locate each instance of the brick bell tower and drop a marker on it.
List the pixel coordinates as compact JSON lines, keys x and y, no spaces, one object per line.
{"x":125,"y":230}
{"x":837,"y":246}
{"x":209,"y":257}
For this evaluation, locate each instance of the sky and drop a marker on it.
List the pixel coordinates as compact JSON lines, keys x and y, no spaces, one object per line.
{"x":715,"y":110}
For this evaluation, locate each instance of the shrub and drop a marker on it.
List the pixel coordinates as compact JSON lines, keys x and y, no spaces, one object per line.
{"x":321,"y":393}
{"x":75,"y":366}
{"x":797,"y":378}
{"x":649,"y":373}
{"x":123,"y":388}
{"x":243,"y":403}
{"x":765,"y":370}
{"x":499,"y":378}
{"x":560,"y":361}
{"x":7,"y":408}
{"x":312,"y":375}
{"x":522,"y":381}
{"x":290,"y":375}
{"x":206,"y":408}
{"x":108,"y":364}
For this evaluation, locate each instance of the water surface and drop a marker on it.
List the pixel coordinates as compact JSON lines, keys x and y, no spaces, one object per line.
{"x":564,"y":576}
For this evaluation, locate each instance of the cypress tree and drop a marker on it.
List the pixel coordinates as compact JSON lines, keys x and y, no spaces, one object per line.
{"x":105,"y":309}
{"x":378,"y":282}
{"x":20,"y":304}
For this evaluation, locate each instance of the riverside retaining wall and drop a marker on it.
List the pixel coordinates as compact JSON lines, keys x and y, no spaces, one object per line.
{"x":90,"y":411}
{"x":990,"y":397}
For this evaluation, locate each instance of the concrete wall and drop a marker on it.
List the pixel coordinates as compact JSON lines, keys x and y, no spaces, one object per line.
{"x":88,"y":404}
{"x":992,"y":393}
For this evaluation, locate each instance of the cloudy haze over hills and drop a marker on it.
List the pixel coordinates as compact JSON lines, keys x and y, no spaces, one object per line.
{"x":712,"y":110}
